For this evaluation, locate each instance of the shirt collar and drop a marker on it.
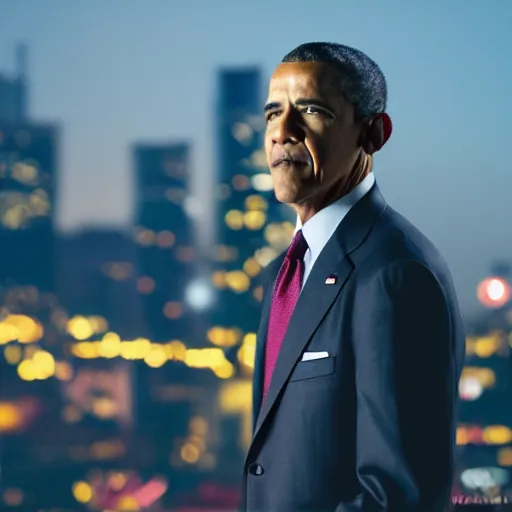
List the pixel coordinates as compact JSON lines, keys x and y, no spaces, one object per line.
{"x":318,"y":230}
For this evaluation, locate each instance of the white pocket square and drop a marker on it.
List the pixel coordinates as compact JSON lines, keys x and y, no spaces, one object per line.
{"x":311,"y":356}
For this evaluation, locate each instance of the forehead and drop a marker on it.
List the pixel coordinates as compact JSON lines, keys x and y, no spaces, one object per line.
{"x":298,"y":79}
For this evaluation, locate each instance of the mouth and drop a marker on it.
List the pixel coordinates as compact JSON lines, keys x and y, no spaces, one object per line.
{"x":289,"y":161}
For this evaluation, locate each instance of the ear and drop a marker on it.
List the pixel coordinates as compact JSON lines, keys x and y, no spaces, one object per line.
{"x":377,"y":133}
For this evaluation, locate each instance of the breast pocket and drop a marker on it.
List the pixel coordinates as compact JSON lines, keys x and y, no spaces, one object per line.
{"x":314,"y":368}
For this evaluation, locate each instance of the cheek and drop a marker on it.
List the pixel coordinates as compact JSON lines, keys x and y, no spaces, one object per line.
{"x":317,"y":153}
{"x":267,"y":145}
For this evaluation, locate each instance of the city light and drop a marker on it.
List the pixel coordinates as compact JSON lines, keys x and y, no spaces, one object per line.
{"x":82,"y":492}
{"x":199,"y":295}
{"x":262,"y":182}
{"x":11,"y":417}
{"x":493,"y":344}
{"x":484,"y":478}
{"x":477,"y":435}
{"x":21,"y":328}
{"x":494,"y":292}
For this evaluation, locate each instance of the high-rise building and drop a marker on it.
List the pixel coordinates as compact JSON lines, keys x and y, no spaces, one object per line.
{"x":251,"y":226}
{"x":164,"y":235}
{"x":13,"y":91}
{"x":28,"y":172}
{"x":28,"y":177}
{"x":167,"y":396}
{"x":97,"y":273}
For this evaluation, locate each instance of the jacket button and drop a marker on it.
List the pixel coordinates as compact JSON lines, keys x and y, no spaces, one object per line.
{"x":256,"y":469}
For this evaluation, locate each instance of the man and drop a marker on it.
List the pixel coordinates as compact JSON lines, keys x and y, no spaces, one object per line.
{"x":361,"y":341}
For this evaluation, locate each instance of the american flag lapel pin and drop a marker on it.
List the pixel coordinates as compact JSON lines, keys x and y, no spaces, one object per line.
{"x":331,"y":280}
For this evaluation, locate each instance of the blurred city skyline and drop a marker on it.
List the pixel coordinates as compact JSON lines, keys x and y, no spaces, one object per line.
{"x":118,"y":73}
{"x":138,"y":213}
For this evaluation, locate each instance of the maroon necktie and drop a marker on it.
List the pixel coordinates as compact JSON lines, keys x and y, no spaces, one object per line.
{"x":286,"y":293}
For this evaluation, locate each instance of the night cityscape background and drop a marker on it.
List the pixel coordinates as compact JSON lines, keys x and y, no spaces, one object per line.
{"x":126,"y":348}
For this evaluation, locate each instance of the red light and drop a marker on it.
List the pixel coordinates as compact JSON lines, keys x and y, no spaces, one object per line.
{"x":494,"y":292}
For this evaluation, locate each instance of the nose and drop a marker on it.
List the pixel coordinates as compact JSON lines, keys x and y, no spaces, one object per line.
{"x":286,"y":129}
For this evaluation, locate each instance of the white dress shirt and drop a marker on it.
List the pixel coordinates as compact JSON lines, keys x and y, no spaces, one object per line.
{"x":318,"y":230}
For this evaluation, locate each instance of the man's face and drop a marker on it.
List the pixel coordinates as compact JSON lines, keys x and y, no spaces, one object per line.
{"x":311,"y":138}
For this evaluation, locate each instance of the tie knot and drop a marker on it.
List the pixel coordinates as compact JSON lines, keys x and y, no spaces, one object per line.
{"x":298,"y":247}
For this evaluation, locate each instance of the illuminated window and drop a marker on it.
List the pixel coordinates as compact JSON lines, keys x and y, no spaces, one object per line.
{"x":486,"y":376}
{"x":145,"y":237}
{"x":259,"y":159}
{"x":258,"y":293}
{"x":13,"y":497}
{"x":165,"y":239}
{"x":224,"y":337}
{"x":185,"y":254}
{"x":234,"y":219}
{"x":262,"y":182}
{"x":80,"y":328}
{"x":82,"y":492}
{"x":505,"y":457}
{"x":12,"y":354}
{"x":255,"y":202}
{"x":226,"y":253}
{"x":219,"y":279}
{"x":255,"y":219}
{"x":156,"y":357}
{"x":265,"y":255}
{"x":241,"y":182}
{"x":11,"y":417}
{"x":486,"y":346}
{"x":198,"y":426}
{"x":242,"y":132}
{"x":252,"y":267}
{"x":173,"y":310}
{"x":279,"y":235}
{"x":238,"y":281}
{"x":22,"y":328}
{"x":145,"y":284}
{"x":38,"y":203}
{"x":497,"y":434}
{"x":24,"y":173}
{"x":190,"y":453}
{"x":118,"y":271}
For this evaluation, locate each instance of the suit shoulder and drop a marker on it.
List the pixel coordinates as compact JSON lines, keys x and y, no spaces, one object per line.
{"x":394,"y":242}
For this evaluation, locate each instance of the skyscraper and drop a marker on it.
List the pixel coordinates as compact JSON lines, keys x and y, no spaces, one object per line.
{"x":13,"y":91}
{"x":164,"y":234}
{"x":28,"y":177}
{"x":251,"y":226}
{"x":28,"y":172}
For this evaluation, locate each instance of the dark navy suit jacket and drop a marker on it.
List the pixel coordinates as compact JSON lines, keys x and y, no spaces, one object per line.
{"x":372,"y":426}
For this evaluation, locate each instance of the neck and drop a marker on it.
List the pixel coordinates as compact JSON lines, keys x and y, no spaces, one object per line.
{"x":361,"y":169}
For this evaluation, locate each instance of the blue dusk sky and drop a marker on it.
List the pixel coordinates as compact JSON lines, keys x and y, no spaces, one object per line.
{"x":117,"y":71}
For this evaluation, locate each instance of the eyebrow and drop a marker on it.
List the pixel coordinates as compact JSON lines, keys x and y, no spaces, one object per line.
{"x":301,"y":102}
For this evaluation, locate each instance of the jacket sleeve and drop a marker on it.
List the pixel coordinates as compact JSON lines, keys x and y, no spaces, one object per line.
{"x":406,"y":385}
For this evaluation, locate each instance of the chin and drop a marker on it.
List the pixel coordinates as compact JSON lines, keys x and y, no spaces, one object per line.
{"x":287,"y":196}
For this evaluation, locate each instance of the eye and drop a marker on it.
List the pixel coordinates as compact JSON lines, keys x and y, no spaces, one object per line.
{"x":313,"y":110}
{"x":270,"y":116}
